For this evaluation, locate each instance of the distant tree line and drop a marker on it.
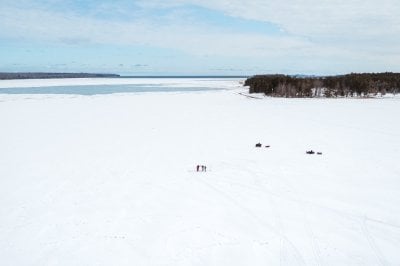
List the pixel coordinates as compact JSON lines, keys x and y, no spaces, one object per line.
{"x":361,"y":85}
{"x":40,"y":75}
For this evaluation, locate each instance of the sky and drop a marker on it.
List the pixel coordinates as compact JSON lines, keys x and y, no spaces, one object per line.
{"x":200,"y":37}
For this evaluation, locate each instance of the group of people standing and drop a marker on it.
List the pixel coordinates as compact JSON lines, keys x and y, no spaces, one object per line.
{"x":201,"y":168}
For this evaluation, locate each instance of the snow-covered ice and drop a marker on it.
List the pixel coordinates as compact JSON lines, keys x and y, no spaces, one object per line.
{"x":111,"y":180}
{"x":182,"y":82}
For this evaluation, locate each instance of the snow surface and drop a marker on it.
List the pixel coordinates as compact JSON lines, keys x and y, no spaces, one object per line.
{"x":111,"y":180}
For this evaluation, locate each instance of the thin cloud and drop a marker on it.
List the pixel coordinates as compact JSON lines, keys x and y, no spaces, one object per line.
{"x":344,"y":33}
{"x":72,"y":29}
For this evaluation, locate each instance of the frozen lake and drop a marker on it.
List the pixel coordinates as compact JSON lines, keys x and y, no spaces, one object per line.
{"x":110,"y":179}
{"x":100,"y":89}
{"x":93,"y":86}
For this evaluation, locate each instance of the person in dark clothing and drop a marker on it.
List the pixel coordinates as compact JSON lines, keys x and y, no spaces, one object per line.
{"x":197,"y":168}
{"x":205,"y":168}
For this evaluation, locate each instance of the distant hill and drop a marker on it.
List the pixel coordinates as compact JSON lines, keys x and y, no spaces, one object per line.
{"x":41,"y":75}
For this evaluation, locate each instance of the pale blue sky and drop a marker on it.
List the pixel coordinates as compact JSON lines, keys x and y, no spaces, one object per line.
{"x":189,"y":37}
